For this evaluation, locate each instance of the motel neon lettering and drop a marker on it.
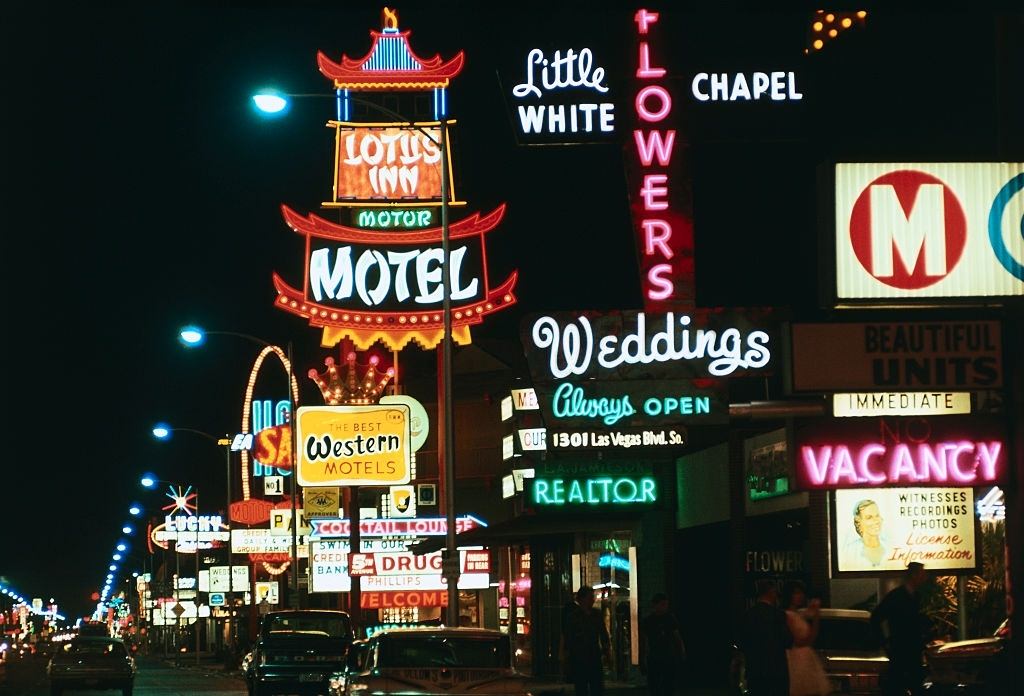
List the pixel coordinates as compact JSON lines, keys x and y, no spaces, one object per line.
{"x":955,"y":462}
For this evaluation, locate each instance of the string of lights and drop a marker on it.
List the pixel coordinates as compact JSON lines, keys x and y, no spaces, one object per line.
{"x":17,"y":600}
{"x":118,"y":555}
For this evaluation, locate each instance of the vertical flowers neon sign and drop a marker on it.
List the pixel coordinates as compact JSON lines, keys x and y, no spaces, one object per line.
{"x":662,"y":217}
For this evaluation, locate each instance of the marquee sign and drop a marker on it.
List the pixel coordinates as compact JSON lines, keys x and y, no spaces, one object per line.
{"x":907,"y":231}
{"x":638,"y":345}
{"x":382,"y":280}
{"x":416,"y":527}
{"x":878,"y":452}
{"x":884,"y":530}
{"x":190,"y":532}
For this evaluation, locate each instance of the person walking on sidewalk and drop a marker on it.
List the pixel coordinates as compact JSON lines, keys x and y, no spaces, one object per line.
{"x":661,"y":648}
{"x":903,"y":628}
{"x":585,"y":644}
{"x":764,"y":639}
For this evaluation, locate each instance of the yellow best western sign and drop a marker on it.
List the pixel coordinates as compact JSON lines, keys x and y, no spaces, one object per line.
{"x":353,"y":445}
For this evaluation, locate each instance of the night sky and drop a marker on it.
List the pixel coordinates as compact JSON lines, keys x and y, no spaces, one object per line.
{"x":143,"y":193}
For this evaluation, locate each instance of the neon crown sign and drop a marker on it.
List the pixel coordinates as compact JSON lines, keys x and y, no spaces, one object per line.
{"x":372,"y":285}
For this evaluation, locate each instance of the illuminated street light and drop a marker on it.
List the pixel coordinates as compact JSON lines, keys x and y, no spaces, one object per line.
{"x":148,"y":481}
{"x":270,"y":102}
{"x":117,"y":557}
{"x":122,"y":547}
{"x":192,"y":336}
{"x":112,"y":567}
{"x":127,"y":529}
{"x":135,"y":510}
{"x":161,"y":431}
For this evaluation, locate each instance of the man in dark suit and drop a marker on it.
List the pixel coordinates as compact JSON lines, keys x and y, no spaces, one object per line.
{"x":899,"y":621}
{"x":764,"y":637}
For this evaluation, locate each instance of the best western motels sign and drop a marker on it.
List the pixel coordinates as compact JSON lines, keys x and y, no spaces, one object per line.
{"x":928,"y":230}
{"x":879,"y":452}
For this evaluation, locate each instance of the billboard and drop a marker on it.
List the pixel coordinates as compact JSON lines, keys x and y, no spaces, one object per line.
{"x":907,"y":231}
{"x":880,"y":452}
{"x":388,"y":163}
{"x":889,"y":356}
{"x":354,"y":445}
{"x":385,"y":571}
{"x":884,"y":530}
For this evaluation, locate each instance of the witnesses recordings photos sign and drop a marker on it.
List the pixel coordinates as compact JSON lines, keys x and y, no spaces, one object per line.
{"x":884,"y":530}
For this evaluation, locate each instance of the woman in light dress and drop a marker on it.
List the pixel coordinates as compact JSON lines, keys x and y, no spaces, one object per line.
{"x":806,"y":675}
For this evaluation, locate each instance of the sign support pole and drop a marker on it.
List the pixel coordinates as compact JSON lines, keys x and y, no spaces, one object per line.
{"x":451,"y":552}
{"x":295,"y":483}
{"x":196,"y":601}
{"x":229,"y":654}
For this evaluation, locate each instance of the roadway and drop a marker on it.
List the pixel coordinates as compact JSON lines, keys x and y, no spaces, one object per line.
{"x":154,"y":678}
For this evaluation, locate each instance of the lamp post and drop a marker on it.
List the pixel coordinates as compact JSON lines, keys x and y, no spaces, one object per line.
{"x":193,"y":336}
{"x":275,"y":103}
{"x":181,"y":502}
{"x":163,"y":431}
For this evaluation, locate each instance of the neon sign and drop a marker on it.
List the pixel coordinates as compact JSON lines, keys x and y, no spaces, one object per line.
{"x":372,"y":285}
{"x":900,"y":452}
{"x":610,"y":560}
{"x":900,"y":404}
{"x":398,"y":218}
{"x":267,"y":419}
{"x":573,"y":402}
{"x":420,"y":526}
{"x":594,"y":491}
{"x":614,"y":343}
{"x":776,"y":86}
{"x":662,"y":210}
{"x":571,"y":71}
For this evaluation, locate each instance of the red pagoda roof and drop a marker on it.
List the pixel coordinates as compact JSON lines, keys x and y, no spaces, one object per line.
{"x":390,"y":64}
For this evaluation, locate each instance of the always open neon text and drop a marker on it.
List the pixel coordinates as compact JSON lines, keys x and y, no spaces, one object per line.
{"x":875,"y":464}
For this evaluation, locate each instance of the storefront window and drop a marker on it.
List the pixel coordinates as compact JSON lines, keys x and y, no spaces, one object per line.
{"x":606,"y":566}
{"x":514,"y":605}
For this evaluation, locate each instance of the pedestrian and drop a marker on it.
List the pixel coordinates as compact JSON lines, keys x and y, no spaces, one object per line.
{"x":903,"y":629}
{"x":806,"y":674}
{"x":661,"y":647}
{"x":764,"y":639}
{"x":585,"y":644}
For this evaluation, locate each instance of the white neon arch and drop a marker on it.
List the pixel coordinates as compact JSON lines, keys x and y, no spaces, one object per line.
{"x":247,"y":403}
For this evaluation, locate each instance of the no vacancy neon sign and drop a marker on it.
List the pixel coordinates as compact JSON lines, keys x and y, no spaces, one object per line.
{"x":900,"y":452}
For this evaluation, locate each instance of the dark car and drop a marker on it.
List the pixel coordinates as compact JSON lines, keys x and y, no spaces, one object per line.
{"x":979,"y":666}
{"x":298,"y":651}
{"x":436,"y":662}
{"x":92,"y":663}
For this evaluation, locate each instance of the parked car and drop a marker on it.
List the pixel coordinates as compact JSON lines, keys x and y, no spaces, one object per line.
{"x":354,"y":662}
{"x":849,"y":650}
{"x":980,"y":666}
{"x":92,"y":663}
{"x":298,"y":651}
{"x":438,"y":661}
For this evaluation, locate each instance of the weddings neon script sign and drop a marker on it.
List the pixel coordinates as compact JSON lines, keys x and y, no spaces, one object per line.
{"x":573,"y":348}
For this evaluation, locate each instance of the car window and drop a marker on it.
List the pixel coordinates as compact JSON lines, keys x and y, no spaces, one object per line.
{"x":445,"y":651}
{"x":846,"y":634}
{"x":324,"y":625}
{"x":95,"y":647}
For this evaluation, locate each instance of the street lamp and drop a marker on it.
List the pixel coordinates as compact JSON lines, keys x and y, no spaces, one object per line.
{"x":195,"y":336}
{"x":273,"y":99}
{"x":192,"y":336}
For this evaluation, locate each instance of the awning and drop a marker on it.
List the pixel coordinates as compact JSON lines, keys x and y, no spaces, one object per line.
{"x":521,"y":528}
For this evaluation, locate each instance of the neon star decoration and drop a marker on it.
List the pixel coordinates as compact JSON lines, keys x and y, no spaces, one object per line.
{"x":183,"y":500}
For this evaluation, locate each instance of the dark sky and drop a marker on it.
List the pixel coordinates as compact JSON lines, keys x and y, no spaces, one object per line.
{"x":143,"y":193}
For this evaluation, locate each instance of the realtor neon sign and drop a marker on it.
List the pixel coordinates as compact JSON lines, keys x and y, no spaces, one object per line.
{"x":594,"y":491}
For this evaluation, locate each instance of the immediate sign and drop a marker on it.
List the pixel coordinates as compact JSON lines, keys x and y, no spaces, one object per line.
{"x":904,"y":356}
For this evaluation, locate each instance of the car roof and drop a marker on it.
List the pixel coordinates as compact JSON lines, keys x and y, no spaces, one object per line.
{"x":440,"y":631}
{"x":860,"y":614}
{"x":288,"y":612}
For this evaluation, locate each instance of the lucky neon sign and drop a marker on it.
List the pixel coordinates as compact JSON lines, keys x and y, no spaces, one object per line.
{"x":594,"y":491}
{"x":904,"y":452}
{"x":555,"y":76}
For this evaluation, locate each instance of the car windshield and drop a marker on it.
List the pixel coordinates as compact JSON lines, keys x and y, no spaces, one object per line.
{"x":307,"y":624}
{"x":846,"y":634}
{"x":95,"y":647}
{"x":445,"y":651}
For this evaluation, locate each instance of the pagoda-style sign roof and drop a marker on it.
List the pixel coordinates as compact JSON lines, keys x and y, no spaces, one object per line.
{"x":390,"y":64}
